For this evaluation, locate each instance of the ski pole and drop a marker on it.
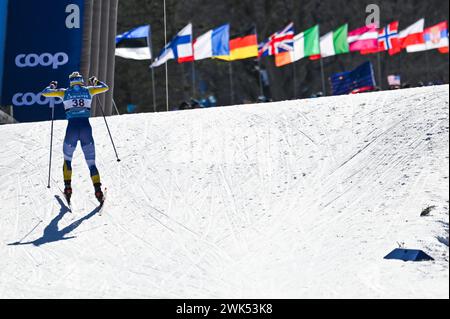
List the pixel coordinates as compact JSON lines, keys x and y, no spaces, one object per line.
{"x":51,"y":147}
{"x":107,"y":127}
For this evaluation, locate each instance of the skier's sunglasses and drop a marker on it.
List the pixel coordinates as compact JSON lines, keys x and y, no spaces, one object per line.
{"x":75,"y":81}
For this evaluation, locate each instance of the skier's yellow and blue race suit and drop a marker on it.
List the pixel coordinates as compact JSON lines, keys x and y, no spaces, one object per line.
{"x":77,"y":102}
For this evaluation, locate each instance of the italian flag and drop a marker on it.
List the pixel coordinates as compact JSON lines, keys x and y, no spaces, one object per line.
{"x":305,"y":44}
{"x":333,"y":43}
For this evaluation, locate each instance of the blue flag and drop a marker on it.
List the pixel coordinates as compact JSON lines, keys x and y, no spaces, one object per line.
{"x":360,"y":79}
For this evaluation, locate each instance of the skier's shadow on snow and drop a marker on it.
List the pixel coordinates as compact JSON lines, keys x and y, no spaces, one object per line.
{"x":52,"y":233}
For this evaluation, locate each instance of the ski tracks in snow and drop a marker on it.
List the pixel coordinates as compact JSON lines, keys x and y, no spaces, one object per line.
{"x":291,"y":199}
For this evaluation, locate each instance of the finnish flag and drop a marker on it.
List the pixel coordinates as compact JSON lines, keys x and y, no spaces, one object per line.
{"x":213,"y":43}
{"x":180,"y":48}
{"x":135,"y":44}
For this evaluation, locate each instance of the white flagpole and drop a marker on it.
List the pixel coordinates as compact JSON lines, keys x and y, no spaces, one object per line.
{"x":261,"y":88}
{"x":259,"y":67}
{"x":380,"y":75}
{"x":294,"y":74}
{"x":149,"y":39}
{"x":230,"y":70}
{"x":322,"y":73}
{"x":165,"y":44}
{"x":193,"y":68}
{"x":427,"y":61}
{"x":154,"y":90}
{"x":193,"y":80}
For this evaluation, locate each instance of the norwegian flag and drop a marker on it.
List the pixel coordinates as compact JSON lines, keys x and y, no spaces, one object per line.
{"x":387,"y":40}
{"x":278,"y":42}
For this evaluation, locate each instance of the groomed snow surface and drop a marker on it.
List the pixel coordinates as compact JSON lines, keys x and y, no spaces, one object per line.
{"x":296,"y":199}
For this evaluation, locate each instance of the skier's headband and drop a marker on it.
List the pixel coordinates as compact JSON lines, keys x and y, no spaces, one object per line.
{"x":77,"y":81}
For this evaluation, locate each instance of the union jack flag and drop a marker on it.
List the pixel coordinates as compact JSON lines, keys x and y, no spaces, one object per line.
{"x":278,"y":42}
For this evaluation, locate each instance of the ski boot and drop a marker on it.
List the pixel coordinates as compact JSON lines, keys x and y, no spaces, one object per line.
{"x":98,"y":193}
{"x":68,"y":193}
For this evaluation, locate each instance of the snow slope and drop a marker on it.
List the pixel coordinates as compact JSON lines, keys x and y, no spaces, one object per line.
{"x":297,"y":199}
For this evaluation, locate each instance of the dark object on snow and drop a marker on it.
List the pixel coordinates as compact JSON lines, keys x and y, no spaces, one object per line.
{"x":408,"y":255}
{"x":427,"y":211}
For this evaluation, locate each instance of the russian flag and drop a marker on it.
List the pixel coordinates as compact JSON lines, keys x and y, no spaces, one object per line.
{"x":213,"y":43}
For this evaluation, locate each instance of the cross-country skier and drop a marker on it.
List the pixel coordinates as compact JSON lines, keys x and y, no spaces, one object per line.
{"x":77,"y":101}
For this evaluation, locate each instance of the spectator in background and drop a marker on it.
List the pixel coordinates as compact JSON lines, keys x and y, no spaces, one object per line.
{"x":317,"y":94}
{"x":212,"y":101}
{"x":184,"y":106}
{"x":394,"y":81}
{"x":263,"y":99}
{"x":131,"y":108}
{"x":195,"y":104}
{"x":406,"y":85}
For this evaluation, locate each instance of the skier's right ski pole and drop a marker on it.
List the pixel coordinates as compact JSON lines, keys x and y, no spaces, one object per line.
{"x":51,"y":147}
{"x":107,"y":127}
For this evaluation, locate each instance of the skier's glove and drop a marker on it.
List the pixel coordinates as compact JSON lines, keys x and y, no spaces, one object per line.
{"x":53,"y":84}
{"x":93,"y":80}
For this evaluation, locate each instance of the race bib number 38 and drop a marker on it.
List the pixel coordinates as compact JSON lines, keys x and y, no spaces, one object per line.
{"x":77,"y":103}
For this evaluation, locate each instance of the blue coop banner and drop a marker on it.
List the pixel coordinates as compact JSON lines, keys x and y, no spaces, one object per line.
{"x":43,"y":43}
{"x":3,"y":15}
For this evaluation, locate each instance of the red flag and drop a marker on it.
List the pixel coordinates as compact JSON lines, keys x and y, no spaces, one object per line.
{"x":387,"y":40}
{"x":365,"y":38}
{"x":443,"y":50}
{"x":315,"y":57}
{"x":412,"y":37}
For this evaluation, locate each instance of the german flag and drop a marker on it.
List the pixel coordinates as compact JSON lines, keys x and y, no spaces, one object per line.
{"x":242,"y":46}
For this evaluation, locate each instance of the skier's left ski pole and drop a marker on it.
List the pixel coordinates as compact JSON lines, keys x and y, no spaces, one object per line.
{"x":51,"y":147}
{"x":107,"y":127}
{"x":92,"y":81}
{"x":109,"y":132}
